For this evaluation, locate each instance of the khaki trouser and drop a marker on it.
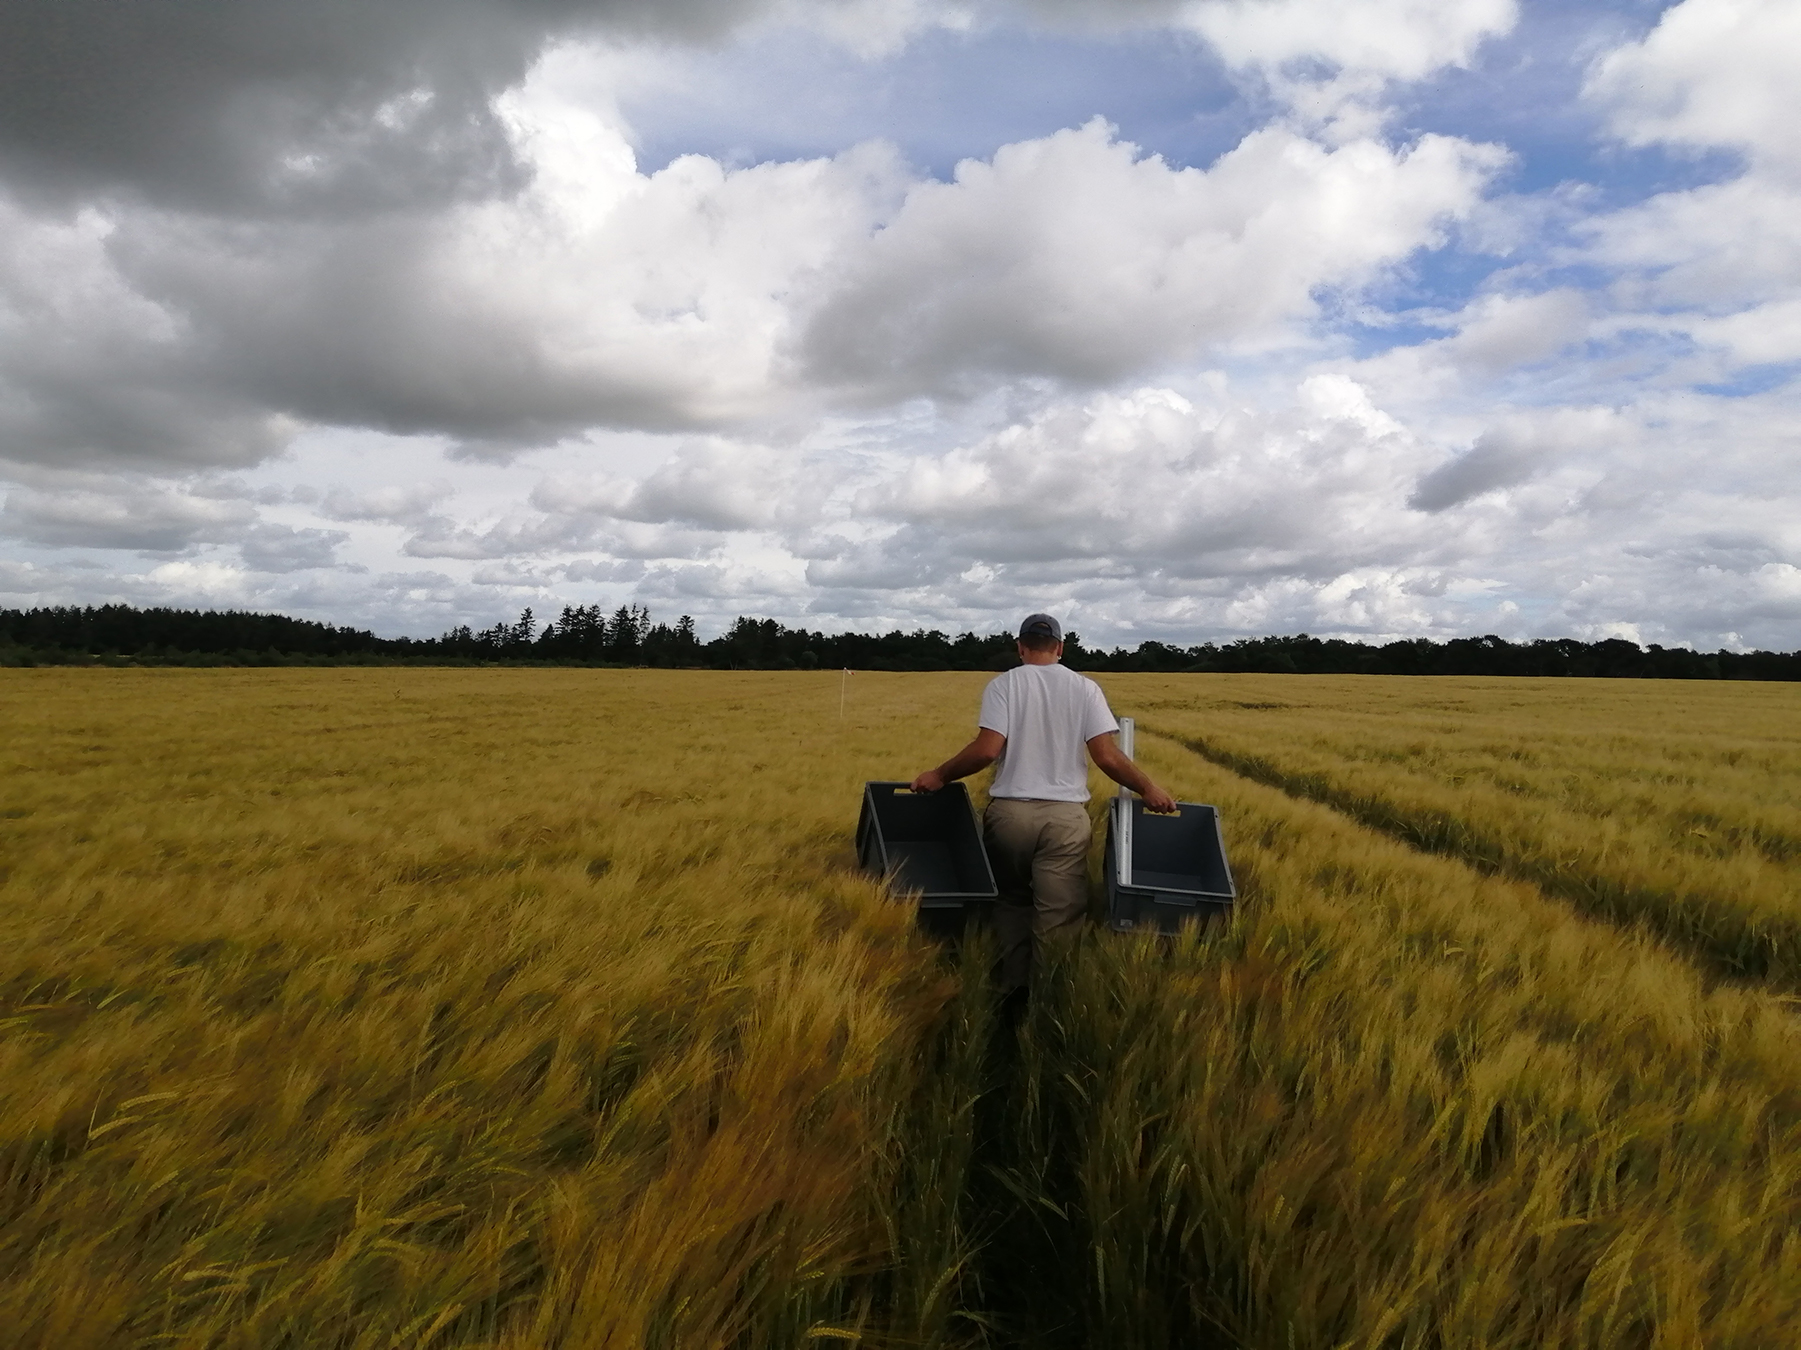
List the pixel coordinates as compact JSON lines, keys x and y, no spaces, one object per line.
{"x":1039,"y":852}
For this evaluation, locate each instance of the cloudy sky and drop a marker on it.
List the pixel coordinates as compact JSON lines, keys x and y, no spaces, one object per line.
{"x":1185,"y":319}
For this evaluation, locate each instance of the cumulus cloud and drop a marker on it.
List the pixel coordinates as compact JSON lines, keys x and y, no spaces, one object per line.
{"x":609,"y":570}
{"x":1762,"y":335}
{"x":1500,"y":347}
{"x":1153,"y":484}
{"x":1158,"y":513}
{"x":1077,"y":258}
{"x":1331,"y":62}
{"x":698,"y":296}
{"x":1712,"y":73}
{"x":715,"y":484}
{"x":659,"y":301}
{"x":440,"y":537}
{"x":1402,"y":39}
{"x":1147,"y":488}
{"x":93,"y":370}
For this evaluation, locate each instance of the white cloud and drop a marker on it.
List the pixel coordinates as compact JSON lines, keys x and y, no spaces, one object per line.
{"x":873,"y":28}
{"x":599,"y":296}
{"x":1499,"y":332}
{"x":1712,"y":73}
{"x":618,"y":300}
{"x":1150,"y":484}
{"x":608,"y":571}
{"x":1391,"y":39}
{"x":1155,"y":513}
{"x":1076,"y":258}
{"x":1500,"y":347}
{"x":1715,"y":247}
{"x":1171,"y":515}
{"x":400,"y":503}
{"x":1332,"y":60}
{"x":1763,"y":335}
{"x":713,"y":483}
{"x":214,"y":583}
{"x":1403,"y":39}
{"x":698,"y":296}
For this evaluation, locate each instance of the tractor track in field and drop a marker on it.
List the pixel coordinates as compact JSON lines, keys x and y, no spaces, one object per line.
{"x":1442,"y":834}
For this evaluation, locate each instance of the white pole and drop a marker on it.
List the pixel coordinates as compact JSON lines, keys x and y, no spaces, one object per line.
{"x":843,"y":684}
{"x":1126,"y":727}
{"x":1122,"y":810}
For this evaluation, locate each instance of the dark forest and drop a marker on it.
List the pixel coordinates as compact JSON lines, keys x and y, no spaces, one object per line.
{"x":590,"y":636}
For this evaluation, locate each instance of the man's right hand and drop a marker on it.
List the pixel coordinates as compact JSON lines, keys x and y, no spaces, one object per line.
{"x":929,"y":781}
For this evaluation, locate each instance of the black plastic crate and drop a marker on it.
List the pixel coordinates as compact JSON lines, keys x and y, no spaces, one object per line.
{"x":928,"y":843}
{"x":1166,"y":870}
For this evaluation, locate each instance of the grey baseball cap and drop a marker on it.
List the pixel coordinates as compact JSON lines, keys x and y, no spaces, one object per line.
{"x":1041,"y":625}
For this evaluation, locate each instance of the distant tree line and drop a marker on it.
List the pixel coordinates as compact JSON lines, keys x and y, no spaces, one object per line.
{"x":587,"y":635}
{"x":59,"y":633}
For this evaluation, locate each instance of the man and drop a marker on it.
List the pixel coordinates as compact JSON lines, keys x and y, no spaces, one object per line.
{"x":1041,"y":722}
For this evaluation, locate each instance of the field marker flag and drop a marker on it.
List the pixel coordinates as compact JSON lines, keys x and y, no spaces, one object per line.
{"x":843,"y":684}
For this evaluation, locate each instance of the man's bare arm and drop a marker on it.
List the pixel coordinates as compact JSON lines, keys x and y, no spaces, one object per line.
{"x":1112,"y":761}
{"x":972,"y":758}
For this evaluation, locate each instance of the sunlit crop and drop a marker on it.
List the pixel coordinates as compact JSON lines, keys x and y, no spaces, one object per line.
{"x":546,"y":1009}
{"x":1673,"y":805}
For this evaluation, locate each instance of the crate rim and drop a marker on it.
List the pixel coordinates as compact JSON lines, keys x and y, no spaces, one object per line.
{"x":1122,"y":811}
{"x":928,"y":899}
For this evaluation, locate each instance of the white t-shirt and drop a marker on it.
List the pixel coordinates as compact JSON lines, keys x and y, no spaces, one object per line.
{"x":1048,"y":715}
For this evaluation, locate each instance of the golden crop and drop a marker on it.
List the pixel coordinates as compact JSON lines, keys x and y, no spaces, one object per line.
{"x":1675,"y":805}
{"x":371,"y":1008}
{"x":546,"y":1008}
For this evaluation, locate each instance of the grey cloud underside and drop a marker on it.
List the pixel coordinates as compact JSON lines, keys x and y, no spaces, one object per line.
{"x":72,"y":409}
{"x":1492,"y":463}
{"x":281,"y":548}
{"x":194,"y":343}
{"x":137,"y":514}
{"x":327,"y":106}
{"x":351,"y":327}
{"x":261,"y":105}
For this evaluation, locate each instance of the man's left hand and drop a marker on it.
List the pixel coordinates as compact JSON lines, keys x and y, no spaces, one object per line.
{"x":1156,"y":799}
{"x":929,"y":781}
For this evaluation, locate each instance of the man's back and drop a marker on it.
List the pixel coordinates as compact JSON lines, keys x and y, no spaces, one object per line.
{"x":1040,"y":725}
{"x":1048,"y":713}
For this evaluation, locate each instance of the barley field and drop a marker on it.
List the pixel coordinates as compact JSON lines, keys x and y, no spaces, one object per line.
{"x":546,"y":1008}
